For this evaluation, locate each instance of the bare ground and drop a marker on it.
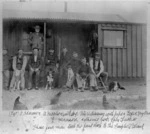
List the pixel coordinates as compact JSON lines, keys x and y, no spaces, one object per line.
{"x":134,"y":97}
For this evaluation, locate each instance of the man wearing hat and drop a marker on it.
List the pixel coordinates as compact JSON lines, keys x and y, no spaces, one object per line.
{"x":97,"y":71}
{"x":75,"y":64}
{"x":82,"y":75}
{"x":36,"y":39}
{"x":6,"y":67}
{"x":35,"y":65}
{"x":19,"y":64}
{"x":51,"y":63}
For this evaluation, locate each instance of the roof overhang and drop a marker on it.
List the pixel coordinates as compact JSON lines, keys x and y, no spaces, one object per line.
{"x":55,"y":12}
{"x":61,"y":16}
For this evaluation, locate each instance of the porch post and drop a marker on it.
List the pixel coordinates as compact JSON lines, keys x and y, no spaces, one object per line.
{"x":100,"y":39}
{"x":44,"y":39}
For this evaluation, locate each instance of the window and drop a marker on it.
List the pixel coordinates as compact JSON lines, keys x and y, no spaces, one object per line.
{"x":113,"y":38}
{"x":114,"y":35}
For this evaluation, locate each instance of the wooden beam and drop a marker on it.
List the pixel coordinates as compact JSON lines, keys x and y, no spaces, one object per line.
{"x":44,"y":39}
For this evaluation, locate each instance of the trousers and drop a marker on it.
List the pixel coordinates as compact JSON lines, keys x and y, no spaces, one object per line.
{"x":6,"y":79}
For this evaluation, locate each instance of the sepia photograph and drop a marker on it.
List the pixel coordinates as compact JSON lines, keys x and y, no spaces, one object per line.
{"x":65,"y":55}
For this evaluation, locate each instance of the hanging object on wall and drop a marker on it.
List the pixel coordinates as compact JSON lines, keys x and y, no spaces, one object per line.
{"x":93,"y":43}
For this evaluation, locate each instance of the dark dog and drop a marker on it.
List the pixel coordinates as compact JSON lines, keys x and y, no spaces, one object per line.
{"x":19,"y":105}
{"x":114,"y":86}
{"x":55,"y":99}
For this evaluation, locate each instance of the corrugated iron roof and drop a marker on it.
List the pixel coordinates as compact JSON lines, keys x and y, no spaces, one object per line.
{"x":14,"y":14}
{"x":55,"y":11}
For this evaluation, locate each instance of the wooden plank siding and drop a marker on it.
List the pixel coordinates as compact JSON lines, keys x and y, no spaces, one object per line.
{"x":143,"y":48}
{"x":129,"y":61}
{"x":114,"y":61}
{"x":134,"y":53}
{"x":139,"y":51}
{"x":129,"y":48}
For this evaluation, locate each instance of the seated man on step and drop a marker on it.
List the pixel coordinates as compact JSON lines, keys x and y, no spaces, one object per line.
{"x":97,"y":71}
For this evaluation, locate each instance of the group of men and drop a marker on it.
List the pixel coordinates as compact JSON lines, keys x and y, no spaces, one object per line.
{"x":66,"y":71}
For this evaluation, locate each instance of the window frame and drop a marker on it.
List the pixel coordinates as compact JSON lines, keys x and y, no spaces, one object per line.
{"x":124,"y":30}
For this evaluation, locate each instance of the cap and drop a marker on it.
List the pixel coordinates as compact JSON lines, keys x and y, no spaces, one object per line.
{"x":35,"y":48}
{"x":74,"y":52}
{"x":51,"y":50}
{"x":20,"y":48}
{"x":97,"y":54}
{"x":37,"y":27}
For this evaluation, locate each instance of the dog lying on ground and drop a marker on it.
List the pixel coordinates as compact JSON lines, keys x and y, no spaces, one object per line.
{"x":114,"y":86}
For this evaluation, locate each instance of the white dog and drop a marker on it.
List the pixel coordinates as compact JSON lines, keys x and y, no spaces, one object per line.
{"x":49,"y":81}
{"x":17,"y":80}
{"x":70,"y":77}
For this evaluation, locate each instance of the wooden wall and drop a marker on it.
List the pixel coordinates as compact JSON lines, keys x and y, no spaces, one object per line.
{"x":119,"y":62}
{"x":129,"y":61}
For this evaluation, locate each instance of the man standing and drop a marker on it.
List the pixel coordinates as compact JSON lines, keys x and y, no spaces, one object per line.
{"x":35,"y":65}
{"x":51,"y":63}
{"x":19,"y":63}
{"x":6,"y":67}
{"x":97,"y":71}
{"x":82,"y":75}
{"x":36,"y":40}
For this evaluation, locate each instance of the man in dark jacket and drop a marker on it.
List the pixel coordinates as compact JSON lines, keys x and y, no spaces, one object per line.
{"x":35,"y":65}
{"x":82,"y":75}
{"x":36,"y":40}
{"x":6,"y":67}
{"x":51,"y":63}
{"x":75,"y":64}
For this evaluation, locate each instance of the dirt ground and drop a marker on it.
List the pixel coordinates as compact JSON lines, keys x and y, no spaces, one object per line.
{"x":134,"y":97}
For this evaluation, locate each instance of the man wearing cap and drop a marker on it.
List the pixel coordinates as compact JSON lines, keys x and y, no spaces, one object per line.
{"x":82,"y":75}
{"x":6,"y":68}
{"x":35,"y":65}
{"x":36,"y":40}
{"x":97,"y":71}
{"x":51,"y":63}
{"x":75,"y":64}
{"x":19,"y":63}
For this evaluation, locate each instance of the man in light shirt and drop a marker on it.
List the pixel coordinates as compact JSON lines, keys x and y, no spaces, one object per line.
{"x":19,"y":63}
{"x":97,"y":71}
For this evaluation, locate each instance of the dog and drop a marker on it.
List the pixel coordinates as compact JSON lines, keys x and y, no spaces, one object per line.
{"x":19,"y":105}
{"x":49,"y":80}
{"x":114,"y":86}
{"x":70,"y":76}
{"x":17,"y":80}
{"x":55,"y":99}
{"x":84,"y":81}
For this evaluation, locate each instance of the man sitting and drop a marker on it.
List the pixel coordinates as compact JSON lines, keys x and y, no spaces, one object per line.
{"x":82,"y":75}
{"x":35,"y":65}
{"x":97,"y":71}
{"x":19,"y":65}
{"x":74,"y":63}
{"x":51,"y":63}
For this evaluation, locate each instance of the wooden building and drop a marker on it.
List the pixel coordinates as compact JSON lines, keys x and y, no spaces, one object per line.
{"x":121,"y":43}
